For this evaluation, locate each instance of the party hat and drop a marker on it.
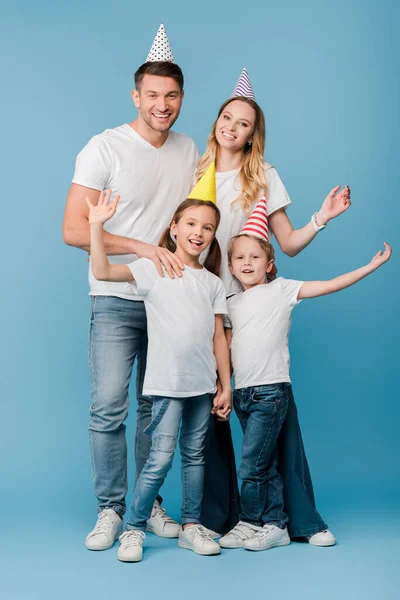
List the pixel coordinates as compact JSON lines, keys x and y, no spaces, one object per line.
{"x":205,"y":188}
{"x":243,"y":87}
{"x":160,"y":50}
{"x":257,"y":223}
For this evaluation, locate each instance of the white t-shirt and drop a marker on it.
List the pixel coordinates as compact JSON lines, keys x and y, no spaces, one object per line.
{"x":233,"y":218}
{"x":151,"y":182}
{"x":260,"y":319}
{"x":180,"y":326}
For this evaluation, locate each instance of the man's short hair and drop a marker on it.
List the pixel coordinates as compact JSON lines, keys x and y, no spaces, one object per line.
{"x":161,"y":69}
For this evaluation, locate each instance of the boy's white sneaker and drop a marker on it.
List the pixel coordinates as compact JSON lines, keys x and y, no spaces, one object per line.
{"x":161,"y":524}
{"x":236,"y":537}
{"x":131,"y":546}
{"x":267,"y":537}
{"x":107,"y":529}
{"x":196,"y":538}
{"x":323,"y":538}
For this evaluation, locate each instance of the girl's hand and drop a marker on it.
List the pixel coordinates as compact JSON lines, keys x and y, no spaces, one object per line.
{"x":222,"y":405}
{"x":381,"y":257}
{"x":334,"y":204}
{"x":103,"y":211}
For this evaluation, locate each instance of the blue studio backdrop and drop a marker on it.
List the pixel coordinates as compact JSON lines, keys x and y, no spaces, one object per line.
{"x":325,"y":75}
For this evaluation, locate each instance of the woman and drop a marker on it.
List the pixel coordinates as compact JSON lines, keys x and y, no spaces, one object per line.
{"x":236,"y":144}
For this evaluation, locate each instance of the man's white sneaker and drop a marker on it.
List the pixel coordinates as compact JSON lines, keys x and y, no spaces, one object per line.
{"x":108,"y":529}
{"x":236,"y":537}
{"x":323,"y":538}
{"x":197,"y":539}
{"x":267,"y":537}
{"x":161,"y":524}
{"x":131,"y":546}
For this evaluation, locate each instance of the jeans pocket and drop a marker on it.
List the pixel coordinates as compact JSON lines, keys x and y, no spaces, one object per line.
{"x":157,"y":416}
{"x":268,"y":394}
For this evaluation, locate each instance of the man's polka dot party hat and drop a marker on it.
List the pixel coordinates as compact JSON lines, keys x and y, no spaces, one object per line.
{"x":160,"y":50}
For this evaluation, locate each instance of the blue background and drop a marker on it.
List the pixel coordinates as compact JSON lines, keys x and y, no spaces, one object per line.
{"x":326,"y":74}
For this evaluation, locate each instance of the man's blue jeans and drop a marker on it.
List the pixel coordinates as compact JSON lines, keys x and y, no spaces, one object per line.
{"x":261,"y":411}
{"x":117,"y":335}
{"x":191,"y":417}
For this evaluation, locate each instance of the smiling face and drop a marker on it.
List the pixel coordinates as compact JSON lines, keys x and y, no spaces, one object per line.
{"x":158,"y":101}
{"x":249,"y":262}
{"x":195,"y":230}
{"x":235,"y":125}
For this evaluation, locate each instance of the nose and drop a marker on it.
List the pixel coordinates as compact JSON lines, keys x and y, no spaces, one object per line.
{"x":162,"y":105}
{"x":247,"y":261}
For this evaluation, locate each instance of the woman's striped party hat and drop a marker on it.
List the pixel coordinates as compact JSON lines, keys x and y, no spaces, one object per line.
{"x":243,"y":87}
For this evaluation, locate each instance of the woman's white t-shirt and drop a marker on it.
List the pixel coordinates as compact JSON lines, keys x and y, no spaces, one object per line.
{"x":233,"y":218}
{"x":180,"y":325}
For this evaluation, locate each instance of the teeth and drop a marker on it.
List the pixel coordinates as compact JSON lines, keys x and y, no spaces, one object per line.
{"x":161,"y":116}
{"x":229,"y":137}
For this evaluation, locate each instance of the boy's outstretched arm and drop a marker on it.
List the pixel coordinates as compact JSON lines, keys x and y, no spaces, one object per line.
{"x":98,"y":215}
{"x":312,"y":289}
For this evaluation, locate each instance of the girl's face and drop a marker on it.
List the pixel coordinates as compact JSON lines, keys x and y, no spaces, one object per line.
{"x":235,"y":126}
{"x":195,"y":229}
{"x":249,"y":262}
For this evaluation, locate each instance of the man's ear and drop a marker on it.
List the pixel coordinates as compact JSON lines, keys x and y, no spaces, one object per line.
{"x":270,"y":266}
{"x":135,"y":98}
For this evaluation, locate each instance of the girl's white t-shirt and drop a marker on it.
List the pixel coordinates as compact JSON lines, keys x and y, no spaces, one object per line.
{"x":260,"y":319}
{"x":233,"y":218}
{"x":180,"y":325}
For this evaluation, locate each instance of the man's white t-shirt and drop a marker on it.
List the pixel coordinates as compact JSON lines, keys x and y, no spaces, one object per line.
{"x":152,"y":182}
{"x":180,"y":326}
{"x":260,"y":319}
{"x":233,"y":218}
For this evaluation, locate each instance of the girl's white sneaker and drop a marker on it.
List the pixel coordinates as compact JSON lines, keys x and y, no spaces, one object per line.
{"x":236,"y":537}
{"x":323,"y":538}
{"x":131,"y":546}
{"x":196,"y":538}
{"x":267,"y":537}
{"x":107,"y":529}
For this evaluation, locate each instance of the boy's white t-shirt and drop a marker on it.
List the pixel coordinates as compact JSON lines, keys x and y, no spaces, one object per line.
{"x":151,"y":182}
{"x":260,"y":319}
{"x":180,"y":325}
{"x":233,"y":218}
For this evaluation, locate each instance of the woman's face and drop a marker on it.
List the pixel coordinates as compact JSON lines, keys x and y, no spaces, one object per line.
{"x":235,"y":126}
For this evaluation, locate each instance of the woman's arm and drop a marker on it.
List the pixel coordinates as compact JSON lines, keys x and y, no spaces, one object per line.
{"x":292,"y":241}
{"x":223,"y":400}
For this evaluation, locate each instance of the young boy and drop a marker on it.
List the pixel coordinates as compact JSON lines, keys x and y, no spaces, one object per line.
{"x":259,"y":319}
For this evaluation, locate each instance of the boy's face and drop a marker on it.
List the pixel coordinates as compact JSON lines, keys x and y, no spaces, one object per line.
{"x":249,"y":262}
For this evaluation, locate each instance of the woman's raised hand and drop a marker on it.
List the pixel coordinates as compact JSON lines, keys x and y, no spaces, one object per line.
{"x":104,"y":210}
{"x":336,"y":203}
{"x":381,"y":257}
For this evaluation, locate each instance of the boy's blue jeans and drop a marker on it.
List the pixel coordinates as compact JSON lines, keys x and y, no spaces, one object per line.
{"x":191,"y":417}
{"x":261,"y":411}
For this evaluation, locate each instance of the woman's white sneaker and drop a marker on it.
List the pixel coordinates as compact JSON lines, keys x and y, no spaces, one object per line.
{"x":323,"y":538}
{"x":236,"y":537}
{"x":107,"y":529}
{"x":196,"y":538}
{"x":161,"y":524}
{"x":267,"y":537}
{"x":131,"y":546}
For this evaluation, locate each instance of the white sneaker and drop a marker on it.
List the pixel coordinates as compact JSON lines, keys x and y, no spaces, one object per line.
{"x":108,"y":529}
{"x":197,"y":539}
{"x":131,"y":546}
{"x":238,"y":535}
{"x":213,"y":534}
{"x":161,"y":524}
{"x":267,"y":537}
{"x":323,"y":538}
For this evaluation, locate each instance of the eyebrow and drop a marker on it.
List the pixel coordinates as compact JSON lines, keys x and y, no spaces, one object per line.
{"x":240,"y":118}
{"x":154,"y":92}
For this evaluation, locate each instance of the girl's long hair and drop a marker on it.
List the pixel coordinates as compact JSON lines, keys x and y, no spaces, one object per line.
{"x":213,"y":260}
{"x":252,"y":172}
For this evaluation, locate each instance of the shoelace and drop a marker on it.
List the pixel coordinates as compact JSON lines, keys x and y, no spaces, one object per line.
{"x":161,"y":512}
{"x":239,"y":531}
{"x":104,"y":522}
{"x":265,"y":531}
{"x":198,"y":531}
{"x":133,"y":537}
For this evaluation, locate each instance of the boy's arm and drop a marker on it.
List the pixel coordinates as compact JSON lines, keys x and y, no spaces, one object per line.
{"x":221,"y":352}
{"x":312,"y":289}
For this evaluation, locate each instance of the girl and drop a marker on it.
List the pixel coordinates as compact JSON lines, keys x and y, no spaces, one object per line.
{"x":260,"y":318}
{"x":186,"y":346}
{"x":236,"y":144}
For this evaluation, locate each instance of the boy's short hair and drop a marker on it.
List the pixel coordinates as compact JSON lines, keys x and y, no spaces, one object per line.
{"x":161,"y":69}
{"x":265,"y":246}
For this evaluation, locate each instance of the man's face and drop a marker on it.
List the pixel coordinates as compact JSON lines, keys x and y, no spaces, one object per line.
{"x":158,"y":101}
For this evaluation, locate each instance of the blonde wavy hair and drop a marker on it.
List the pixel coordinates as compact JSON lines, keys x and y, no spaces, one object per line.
{"x":252,"y":172}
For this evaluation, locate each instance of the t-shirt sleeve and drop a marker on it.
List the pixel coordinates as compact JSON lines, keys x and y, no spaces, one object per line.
{"x":219,"y":303}
{"x":145,"y":276}
{"x":93,"y":165}
{"x":291,"y":288}
{"x":227,"y":322}
{"x":277,"y":194}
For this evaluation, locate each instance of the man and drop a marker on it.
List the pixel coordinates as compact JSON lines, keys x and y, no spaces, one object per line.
{"x":151,"y":168}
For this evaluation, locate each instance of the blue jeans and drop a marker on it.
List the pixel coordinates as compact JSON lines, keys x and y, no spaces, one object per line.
{"x":117,"y":335}
{"x":261,"y":411}
{"x":191,"y":416}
